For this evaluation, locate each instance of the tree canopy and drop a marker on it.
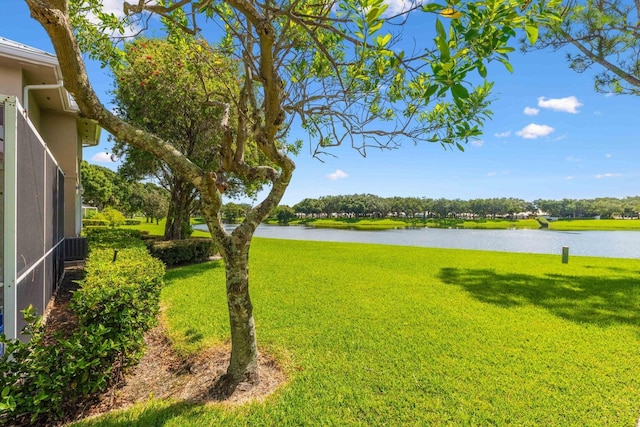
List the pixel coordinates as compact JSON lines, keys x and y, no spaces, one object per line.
{"x":374,"y":206}
{"x":334,"y":68}
{"x":604,"y":33}
{"x":179,"y":101}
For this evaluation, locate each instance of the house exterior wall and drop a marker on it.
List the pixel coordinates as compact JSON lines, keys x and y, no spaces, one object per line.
{"x":11,"y":81}
{"x":61,"y":135}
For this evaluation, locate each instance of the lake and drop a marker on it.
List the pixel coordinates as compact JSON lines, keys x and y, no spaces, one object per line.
{"x":614,"y":244}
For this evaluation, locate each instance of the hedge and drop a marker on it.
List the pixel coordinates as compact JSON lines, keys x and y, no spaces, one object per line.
{"x":43,"y":380}
{"x":180,"y":252}
{"x":89,"y":222}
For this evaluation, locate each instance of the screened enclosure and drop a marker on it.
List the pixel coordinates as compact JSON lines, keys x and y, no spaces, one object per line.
{"x":32,"y":218}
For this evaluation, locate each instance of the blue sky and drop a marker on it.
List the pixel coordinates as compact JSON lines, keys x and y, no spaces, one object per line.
{"x":551,"y":137}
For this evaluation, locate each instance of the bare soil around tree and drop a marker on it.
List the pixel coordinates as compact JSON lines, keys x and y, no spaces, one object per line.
{"x":162,"y":373}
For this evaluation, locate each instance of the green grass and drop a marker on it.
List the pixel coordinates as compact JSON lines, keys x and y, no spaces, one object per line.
{"x":158,"y":229}
{"x":595,"y":224}
{"x":359,"y":224}
{"x":374,"y":335}
{"x":502,"y":224}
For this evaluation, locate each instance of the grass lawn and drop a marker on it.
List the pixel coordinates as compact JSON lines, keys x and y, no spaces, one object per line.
{"x":595,"y":224}
{"x":374,"y":335}
{"x":158,"y":229}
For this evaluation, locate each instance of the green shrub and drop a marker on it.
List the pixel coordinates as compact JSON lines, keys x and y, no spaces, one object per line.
{"x":131,"y":221}
{"x":42,"y":380}
{"x":122,"y":294}
{"x":95,"y":222}
{"x":114,"y":238}
{"x":115,"y":217}
{"x":181,"y":252}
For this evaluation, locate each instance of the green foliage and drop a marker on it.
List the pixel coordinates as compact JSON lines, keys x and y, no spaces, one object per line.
{"x":155,"y":202}
{"x":284,"y":214}
{"x":130,"y":221}
{"x":95,"y":222}
{"x":232,"y":212}
{"x":115,"y":217}
{"x":187,"y":107}
{"x":181,"y":252}
{"x":107,"y":238}
{"x":157,"y":230}
{"x":348,"y":50}
{"x":379,"y":335}
{"x":41,"y":380}
{"x":118,"y":301}
{"x":102,"y":187}
{"x":603,"y":35}
{"x":369,"y":205}
{"x":121,"y":292}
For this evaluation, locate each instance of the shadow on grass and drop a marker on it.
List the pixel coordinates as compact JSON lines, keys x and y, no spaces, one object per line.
{"x":151,"y":416}
{"x":596,"y":300}
{"x":187,"y":271}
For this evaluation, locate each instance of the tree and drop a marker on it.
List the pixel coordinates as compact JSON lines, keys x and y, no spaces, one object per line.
{"x":177,"y":101}
{"x":331,"y":66}
{"x":155,"y":202}
{"x":97,"y":188}
{"x":102,"y":187}
{"x":284,"y":214}
{"x":114,"y":216}
{"x":232,"y":211}
{"x":604,"y":32}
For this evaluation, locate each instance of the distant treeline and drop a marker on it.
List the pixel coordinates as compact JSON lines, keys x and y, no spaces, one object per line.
{"x":373,"y":206}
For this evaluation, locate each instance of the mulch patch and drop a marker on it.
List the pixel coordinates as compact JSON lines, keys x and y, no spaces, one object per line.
{"x":162,"y":373}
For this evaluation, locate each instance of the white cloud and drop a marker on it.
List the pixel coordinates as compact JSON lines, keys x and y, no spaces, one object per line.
{"x":570,"y":177}
{"x":338,"y":174}
{"x":533,"y":131}
{"x":608,"y":175}
{"x":116,"y":7}
{"x":102,"y":158}
{"x":113,"y":6}
{"x":491,"y":174}
{"x":608,"y":155}
{"x":502,"y":134}
{"x":573,"y":159}
{"x":530,"y":111}
{"x":567,"y":105}
{"x":477,"y":143}
{"x":398,"y":6}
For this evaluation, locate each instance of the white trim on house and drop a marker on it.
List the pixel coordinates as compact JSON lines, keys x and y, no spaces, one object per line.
{"x":88,"y":130}
{"x":10,"y":303}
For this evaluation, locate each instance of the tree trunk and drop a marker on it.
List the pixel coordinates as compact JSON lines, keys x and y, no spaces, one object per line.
{"x":179,"y":211}
{"x":244,"y":350}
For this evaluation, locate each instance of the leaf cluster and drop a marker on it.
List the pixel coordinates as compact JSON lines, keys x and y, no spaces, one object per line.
{"x":43,"y":379}
{"x":602,"y":33}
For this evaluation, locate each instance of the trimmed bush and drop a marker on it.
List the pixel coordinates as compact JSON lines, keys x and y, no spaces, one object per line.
{"x":181,"y":252}
{"x":42,"y":380}
{"x":130,"y":221}
{"x":114,"y":216}
{"x":91,"y":222}
{"x":114,"y":238}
